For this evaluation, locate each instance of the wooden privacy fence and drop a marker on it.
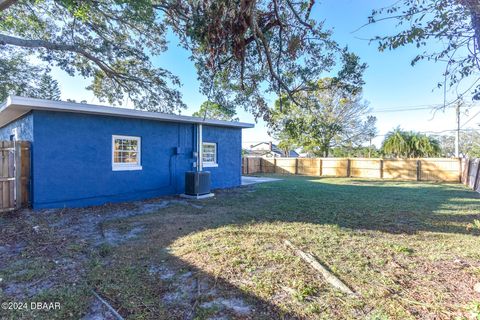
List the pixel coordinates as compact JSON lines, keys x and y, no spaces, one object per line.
{"x":471,"y":173}
{"x":426,"y":169}
{"x":14,"y":175}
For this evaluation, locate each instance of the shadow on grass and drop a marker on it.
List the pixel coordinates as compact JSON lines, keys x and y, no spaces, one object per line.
{"x":387,"y":206}
{"x":391,"y":207}
{"x":143,"y":279}
{"x":152,"y":284}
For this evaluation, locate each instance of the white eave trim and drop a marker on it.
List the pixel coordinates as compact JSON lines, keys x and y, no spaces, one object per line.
{"x":15,"y":106}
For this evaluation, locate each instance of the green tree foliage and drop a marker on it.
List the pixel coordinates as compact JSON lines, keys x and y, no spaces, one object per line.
{"x":454,"y":23}
{"x":17,"y":76}
{"x":355,"y":152}
{"x":327,"y":117}
{"x":108,"y":41}
{"x":469,"y":144}
{"x":370,"y":127}
{"x":244,"y":50}
{"x":409,"y":144}
{"x":212,"y":110}
{"x":286,"y":145}
{"x":48,"y":88}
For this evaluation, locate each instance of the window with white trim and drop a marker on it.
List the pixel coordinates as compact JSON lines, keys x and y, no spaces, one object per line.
{"x":209,"y":154}
{"x":126,"y":152}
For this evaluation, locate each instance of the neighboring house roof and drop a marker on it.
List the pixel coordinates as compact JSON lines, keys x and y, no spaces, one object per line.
{"x":263,"y":146}
{"x":15,"y":107}
{"x":293,"y":154}
{"x":257,"y":153}
{"x":259,"y":150}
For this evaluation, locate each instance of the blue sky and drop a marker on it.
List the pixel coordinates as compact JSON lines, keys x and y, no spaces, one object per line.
{"x":391,"y":82}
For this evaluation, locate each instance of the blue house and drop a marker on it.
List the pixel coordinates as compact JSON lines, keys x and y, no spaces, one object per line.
{"x":86,"y":154}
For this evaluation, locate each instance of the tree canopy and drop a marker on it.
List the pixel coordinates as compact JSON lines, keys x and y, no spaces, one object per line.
{"x":212,"y":110}
{"x":409,"y":144}
{"x":17,"y":76}
{"x":453,"y":23}
{"x":469,"y":144}
{"x":355,"y":152}
{"x":243,"y":50}
{"x":48,"y":88}
{"x":323,"y":118}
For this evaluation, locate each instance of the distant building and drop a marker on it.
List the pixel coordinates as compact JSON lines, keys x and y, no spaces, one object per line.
{"x":269,"y":150}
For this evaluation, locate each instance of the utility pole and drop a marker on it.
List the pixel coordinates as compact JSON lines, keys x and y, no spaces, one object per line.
{"x":457,"y":133}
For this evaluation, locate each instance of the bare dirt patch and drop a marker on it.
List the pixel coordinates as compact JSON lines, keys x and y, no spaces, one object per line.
{"x":409,"y":249}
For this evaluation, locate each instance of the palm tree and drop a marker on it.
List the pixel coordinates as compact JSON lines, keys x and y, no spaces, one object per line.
{"x":428,"y":146}
{"x":396,"y":143}
{"x":399,"y":143}
{"x":415,"y":143}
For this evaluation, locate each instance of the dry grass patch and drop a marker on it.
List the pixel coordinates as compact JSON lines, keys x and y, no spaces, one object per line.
{"x":409,"y":249}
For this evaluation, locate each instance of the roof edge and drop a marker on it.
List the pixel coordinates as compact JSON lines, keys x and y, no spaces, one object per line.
{"x":27,"y":103}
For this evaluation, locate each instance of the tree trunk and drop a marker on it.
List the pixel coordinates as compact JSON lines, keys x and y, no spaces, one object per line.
{"x":370,"y":148}
{"x":474,"y":7}
{"x":4,"y":4}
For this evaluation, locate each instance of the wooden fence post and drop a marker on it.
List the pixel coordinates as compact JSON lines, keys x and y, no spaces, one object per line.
{"x":468,"y":171}
{"x":248,"y":169}
{"x":18,"y":174}
{"x":26,"y":172}
{"x":467,"y":178}
{"x":320,"y":163}
{"x":274,"y":165}
{"x":348,"y":168}
{"x":475,"y":183}
{"x":460,"y":174}
{"x":419,"y":170}
{"x":381,"y":168}
{"x":296,"y":166}
{"x":261,"y":165}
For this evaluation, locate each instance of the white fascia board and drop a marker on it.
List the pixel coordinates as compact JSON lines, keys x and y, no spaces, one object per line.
{"x":15,"y":106}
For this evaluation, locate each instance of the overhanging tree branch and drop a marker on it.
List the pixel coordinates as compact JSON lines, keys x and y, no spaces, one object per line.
{"x":18,"y":42}
{"x":266,"y":48}
{"x":244,"y":49}
{"x":4,"y":4}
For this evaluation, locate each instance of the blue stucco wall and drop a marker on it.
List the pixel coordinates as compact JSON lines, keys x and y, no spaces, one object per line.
{"x":72,"y":162}
{"x":229,"y":156}
{"x":24,"y":127}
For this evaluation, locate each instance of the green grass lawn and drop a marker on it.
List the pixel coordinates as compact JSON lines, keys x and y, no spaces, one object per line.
{"x":410,"y":250}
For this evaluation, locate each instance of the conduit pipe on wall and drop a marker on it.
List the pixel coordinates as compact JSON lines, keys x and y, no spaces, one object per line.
{"x":199,"y":147}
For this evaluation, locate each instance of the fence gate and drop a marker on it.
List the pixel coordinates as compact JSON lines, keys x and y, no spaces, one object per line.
{"x":14,"y":175}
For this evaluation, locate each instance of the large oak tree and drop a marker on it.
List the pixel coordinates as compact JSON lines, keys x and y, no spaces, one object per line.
{"x":445,"y":31}
{"x":244,"y":50}
{"x":325,"y":118}
{"x":212,"y":110}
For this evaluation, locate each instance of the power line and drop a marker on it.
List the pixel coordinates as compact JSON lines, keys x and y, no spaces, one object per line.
{"x":383,"y":135}
{"x":401,"y":110}
{"x":433,"y":132}
{"x":416,"y":105}
{"x":476,"y":114}
{"x":413,"y":108}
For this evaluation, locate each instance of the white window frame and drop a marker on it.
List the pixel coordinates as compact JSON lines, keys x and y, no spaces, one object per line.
{"x":210,"y":164}
{"x":127,"y":166}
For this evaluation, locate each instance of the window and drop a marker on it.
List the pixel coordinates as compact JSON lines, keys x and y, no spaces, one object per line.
{"x":209,"y":155}
{"x":126,"y":153}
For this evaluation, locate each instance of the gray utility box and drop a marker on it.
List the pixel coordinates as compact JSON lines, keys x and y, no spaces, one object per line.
{"x":197,"y":183}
